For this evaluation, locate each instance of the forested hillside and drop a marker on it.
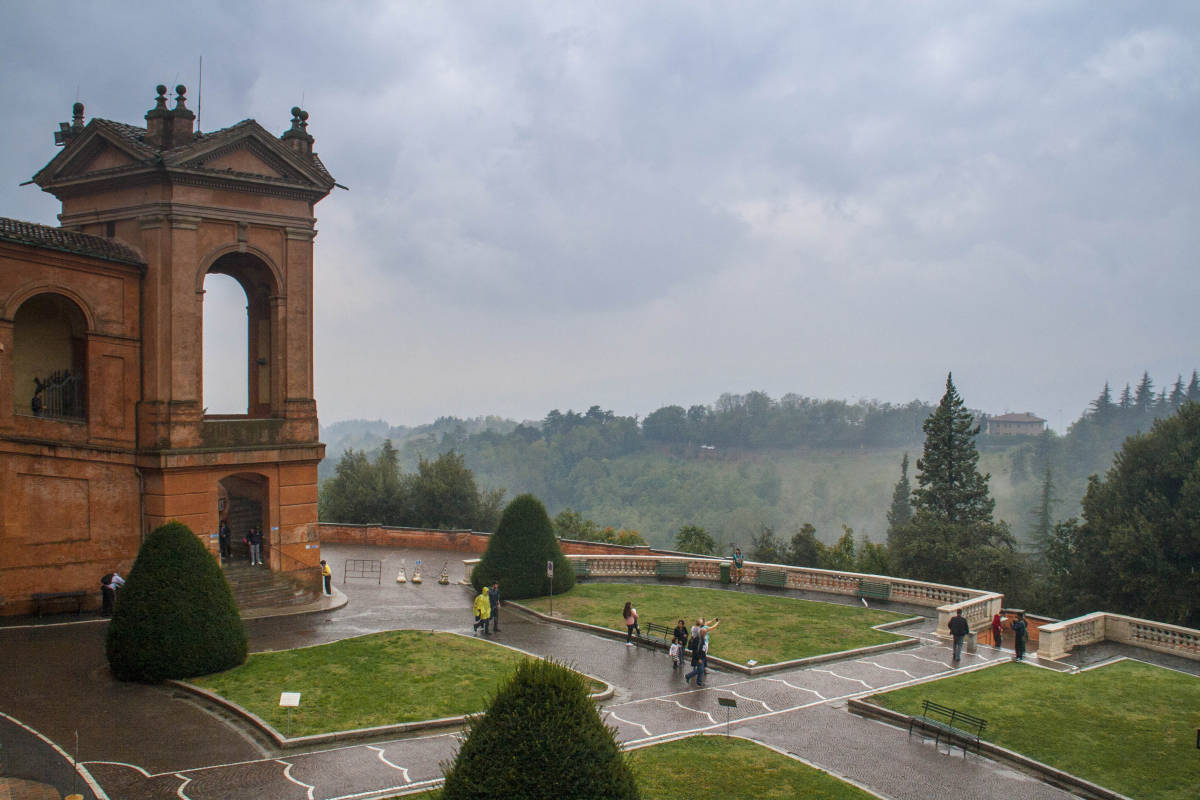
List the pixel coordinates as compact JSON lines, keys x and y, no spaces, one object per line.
{"x":750,"y":461}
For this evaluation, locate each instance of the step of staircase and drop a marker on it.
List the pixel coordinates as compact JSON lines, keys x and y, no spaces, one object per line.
{"x":260,"y":587}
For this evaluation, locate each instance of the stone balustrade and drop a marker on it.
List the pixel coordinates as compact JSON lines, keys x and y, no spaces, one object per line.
{"x":1059,"y":638}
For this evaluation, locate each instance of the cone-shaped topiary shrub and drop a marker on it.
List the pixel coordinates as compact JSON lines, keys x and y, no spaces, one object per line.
{"x":518,"y":551}
{"x":175,"y":615}
{"x":541,"y":738}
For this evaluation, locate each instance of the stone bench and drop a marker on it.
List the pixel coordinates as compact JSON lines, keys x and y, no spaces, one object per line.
{"x":43,"y":599}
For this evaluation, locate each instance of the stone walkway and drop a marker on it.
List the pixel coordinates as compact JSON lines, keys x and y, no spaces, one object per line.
{"x":141,"y":742}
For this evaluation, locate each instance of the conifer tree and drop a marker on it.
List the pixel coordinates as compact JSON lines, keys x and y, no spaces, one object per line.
{"x":1126,"y":401}
{"x":541,"y":738}
{"x":1102,"y":406}
{"x":1193,"y":390}
{"x":949,"y":485}
{"x":517,"y":553}
{"x":1043,"y":513}
{"x":1143,"y":396}
{"x":1178,"y":394}
{"x":900,"y":512}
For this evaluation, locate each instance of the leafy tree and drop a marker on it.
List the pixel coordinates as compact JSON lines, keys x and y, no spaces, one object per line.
{"x":765,"y":547}
{"x":842,"y":556}
{"x":873,"y":558}
{"x":540,"y":739}
{"x":518,"y":551}
{"x":900,"y":512}
{"x":667,"y":424}
{"x":570,"y":524}
{"x":628,"y":538}
{"x":949,"y":485}
{"x":806,"y":550}
{"x":177,"y":617}
{"x":1137,"y":548}
{"x":694,"y":539}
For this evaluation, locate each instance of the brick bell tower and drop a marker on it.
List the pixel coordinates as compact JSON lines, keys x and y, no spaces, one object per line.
{"x":238,"y":202}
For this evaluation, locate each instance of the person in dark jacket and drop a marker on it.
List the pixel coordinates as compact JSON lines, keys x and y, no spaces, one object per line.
{"x":959,"y":630}
{"x":494,"y":599}
{"x":1020,"y":629}
{"x":254,"y":539}
{"x":223,"y":539}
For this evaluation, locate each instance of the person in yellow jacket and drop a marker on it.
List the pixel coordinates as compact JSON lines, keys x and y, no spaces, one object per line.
{"x":327,"y":577}
{"x":483,"y":612}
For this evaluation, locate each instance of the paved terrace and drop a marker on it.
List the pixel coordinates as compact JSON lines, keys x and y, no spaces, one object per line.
{"x":143,"y":743}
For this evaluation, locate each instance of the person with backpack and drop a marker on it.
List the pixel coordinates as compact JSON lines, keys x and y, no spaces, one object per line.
{"x":108,"y":592}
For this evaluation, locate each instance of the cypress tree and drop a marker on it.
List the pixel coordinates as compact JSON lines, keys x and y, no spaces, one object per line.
{"x":517,"y":553}
{"x":900,"y":512}
{"x":176,"y":617}
{"x":540,"y":739}
{"x":949,"y":486}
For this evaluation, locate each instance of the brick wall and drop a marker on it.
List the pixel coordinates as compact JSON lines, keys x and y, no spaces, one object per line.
{"x":458,"y":541}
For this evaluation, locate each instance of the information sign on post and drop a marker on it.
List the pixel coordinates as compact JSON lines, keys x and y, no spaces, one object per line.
{"x":289,"y":700}
{"x":729,"y":703}
{"x":550,"y":578}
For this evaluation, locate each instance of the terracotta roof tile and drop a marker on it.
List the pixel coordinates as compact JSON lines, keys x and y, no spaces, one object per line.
{"x":66,"y":241}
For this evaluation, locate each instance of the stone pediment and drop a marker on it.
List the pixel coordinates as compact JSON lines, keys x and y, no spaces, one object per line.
{"x":244,"y":151}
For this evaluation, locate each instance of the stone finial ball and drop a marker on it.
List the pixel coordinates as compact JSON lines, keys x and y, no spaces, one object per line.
{"x":181,"y":89}
{"x":77,"y":109}
{"x":295,"y":111}
{"x":304,"y":115}
{"x":160,"y":89}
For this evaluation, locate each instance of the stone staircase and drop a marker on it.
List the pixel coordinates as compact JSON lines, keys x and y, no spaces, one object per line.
{"x":259,"y":587}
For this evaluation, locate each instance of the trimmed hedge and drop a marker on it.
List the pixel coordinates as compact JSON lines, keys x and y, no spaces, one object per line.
{"x":542,"y":737}
{"x":175,"y":616}
{"x":517,"y":553}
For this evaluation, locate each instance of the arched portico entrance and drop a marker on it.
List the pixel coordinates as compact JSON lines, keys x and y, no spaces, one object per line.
{"x":243,"y":503}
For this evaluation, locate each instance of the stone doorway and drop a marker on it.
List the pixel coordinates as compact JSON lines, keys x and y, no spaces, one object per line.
{"x":242,"y":503}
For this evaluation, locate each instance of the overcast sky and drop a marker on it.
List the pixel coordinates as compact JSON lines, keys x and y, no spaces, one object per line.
{"x":555,"y":205}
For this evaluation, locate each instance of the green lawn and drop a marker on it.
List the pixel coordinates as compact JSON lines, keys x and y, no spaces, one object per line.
{"x":729,"y":769}
{"x":379,"y":679}
{"x":1130,"y":727}
{"x":766,"y":628}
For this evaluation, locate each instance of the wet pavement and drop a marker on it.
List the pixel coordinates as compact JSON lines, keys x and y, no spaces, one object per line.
{"x":152,"y":742}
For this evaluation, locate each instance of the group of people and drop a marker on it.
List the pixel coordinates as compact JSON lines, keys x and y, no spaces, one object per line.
{"x":683,"y":641}
{"x":959,"y":628}
{"x":487,"y":609}
{"x":253,"y":539}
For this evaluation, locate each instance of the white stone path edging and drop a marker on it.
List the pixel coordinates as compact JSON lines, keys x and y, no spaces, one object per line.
{"x":733,"y":666}
{"x":335,"y":737}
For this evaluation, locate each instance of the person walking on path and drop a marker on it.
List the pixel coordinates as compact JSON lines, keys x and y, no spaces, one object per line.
{"x":327,"y":577}
{"x":494,"y":600}
{"x":1020,"y":629}
{"x":997,"y":629}
{"x":483,"y":611}
{"x":738,"y":563}
{"x":959,"y":630}
{"x":223,"y":539}
{"x":629,"y":613}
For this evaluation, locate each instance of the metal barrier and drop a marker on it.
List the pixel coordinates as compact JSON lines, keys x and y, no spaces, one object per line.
{"x":365,"y":568}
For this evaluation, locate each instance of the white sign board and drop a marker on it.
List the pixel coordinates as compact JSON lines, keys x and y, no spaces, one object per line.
{"x":289,"y":700}
{"x":549,"y":569}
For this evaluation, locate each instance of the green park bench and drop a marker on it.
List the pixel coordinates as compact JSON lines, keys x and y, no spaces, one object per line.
{"x":671,"y":569}
{"x":581,"y":569}
{"x":877,"y":590}
{"x":949,"y":724}
{"x":772,"y":577}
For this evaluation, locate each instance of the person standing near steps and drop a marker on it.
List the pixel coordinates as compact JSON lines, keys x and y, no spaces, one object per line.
{"x":629,"y":614}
